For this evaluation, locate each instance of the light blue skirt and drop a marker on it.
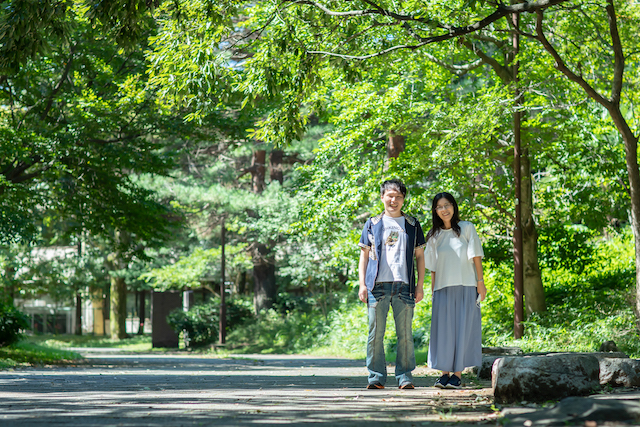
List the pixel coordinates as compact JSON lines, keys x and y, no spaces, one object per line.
{"x":456,"y":329}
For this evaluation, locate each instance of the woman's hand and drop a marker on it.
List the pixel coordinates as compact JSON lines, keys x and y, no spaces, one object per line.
{"x":482,"y":289}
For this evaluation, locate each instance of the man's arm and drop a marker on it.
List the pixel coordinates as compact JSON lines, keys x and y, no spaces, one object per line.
{"x":362,"y":272}
{"x":419,"y":253}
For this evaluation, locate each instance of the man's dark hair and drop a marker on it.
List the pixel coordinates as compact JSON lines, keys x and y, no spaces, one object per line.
{"x":393,"y":184}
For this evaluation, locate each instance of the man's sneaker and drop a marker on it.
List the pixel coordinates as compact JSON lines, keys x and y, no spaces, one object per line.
{"x":407,"y":386}
{"x":375,"y":385}
{"x":442,"y":381}
{"x":454,"y":382}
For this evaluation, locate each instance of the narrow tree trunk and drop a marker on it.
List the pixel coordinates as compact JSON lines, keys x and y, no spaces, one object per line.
{"x":275,"y":166}
{"x":532,"y":279}
{"x":258,"y":170}
{"x":141,"y":311}
{"x":118,"y":294}
{"x":241,"y":282}
{"x":118,"y":312}
{"x":395,"y":145}
{"x":264,"y":278}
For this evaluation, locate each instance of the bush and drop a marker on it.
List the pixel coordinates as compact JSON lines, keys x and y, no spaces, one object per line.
{"x":12,"y":321}
{"x":201,"y":322}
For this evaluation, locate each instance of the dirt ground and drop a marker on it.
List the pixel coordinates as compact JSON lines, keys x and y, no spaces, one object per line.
{"x":115,"y":389}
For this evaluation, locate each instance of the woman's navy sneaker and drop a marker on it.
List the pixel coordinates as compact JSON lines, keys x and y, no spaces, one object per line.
{"x":442,"y":381}
{"x":454,"y":382}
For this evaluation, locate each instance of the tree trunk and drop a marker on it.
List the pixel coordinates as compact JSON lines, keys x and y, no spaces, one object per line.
{"x":241,"y":282}
{"x":258,"y":170}
{"x":631,"y":157}
{"x":275,"y":166}
{"x":395,"y":145}
{"x":532,"y":280}
{"x":118,"y":293}
{"x":118,"y":312}
{"x":141,"y":311}
{"x":264,"y":278}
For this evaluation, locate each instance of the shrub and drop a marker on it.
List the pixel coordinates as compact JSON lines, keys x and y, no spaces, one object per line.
{"x":12,"y":321}
{"x":201,"y":322}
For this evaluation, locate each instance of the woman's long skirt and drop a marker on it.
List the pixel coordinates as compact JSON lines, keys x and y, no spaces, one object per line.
{"x":456,"y":329}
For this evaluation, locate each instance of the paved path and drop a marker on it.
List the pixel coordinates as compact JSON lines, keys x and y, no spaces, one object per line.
{"x":183,"y":390}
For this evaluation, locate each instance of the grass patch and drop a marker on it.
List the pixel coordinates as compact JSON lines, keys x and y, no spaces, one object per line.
{"x":136,"y":343}
{"x":29,"y":353}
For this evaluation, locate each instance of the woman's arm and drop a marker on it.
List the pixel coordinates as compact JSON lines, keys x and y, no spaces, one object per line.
{"x":433,"y":282}
{"x":482,"y":289}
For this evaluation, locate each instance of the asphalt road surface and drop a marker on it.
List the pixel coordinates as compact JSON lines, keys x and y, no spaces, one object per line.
{"x":255,"y":390}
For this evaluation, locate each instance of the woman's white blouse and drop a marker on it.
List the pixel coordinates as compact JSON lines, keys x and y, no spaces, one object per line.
{"x":451,"y":257}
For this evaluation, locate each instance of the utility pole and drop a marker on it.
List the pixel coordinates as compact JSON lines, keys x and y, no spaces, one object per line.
{"x":518,"y":264}
{"x":223,"y":306}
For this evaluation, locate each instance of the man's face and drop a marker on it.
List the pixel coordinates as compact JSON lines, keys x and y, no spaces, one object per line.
{"x":392,"y":200}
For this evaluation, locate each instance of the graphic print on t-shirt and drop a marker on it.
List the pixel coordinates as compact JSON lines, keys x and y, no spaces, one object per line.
{"x":393,"y":237}
{"x":393,"y":258}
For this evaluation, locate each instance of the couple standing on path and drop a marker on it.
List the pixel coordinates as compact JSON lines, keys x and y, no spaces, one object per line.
{"x":390,"y":243}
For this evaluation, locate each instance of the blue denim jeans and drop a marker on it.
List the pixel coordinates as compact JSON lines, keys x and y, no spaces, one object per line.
{"x":381,"y":296}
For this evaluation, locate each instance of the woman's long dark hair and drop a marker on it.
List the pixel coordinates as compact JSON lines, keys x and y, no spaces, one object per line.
{"x":437,"y":223}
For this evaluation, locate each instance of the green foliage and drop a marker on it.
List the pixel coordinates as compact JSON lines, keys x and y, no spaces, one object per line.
{"x":569,"y":248}
{"x":12,"y":323}
{"x":201,"y":323}
{"x":189,"y":271}
{"x":589,"y":295}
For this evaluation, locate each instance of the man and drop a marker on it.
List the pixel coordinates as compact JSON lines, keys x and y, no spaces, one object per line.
{"x":389,"y":244}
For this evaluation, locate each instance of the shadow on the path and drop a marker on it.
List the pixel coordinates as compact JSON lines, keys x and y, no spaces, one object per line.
{"x":180,"y":380}
{"x":134,"y":390}
{"x":131,"y":408}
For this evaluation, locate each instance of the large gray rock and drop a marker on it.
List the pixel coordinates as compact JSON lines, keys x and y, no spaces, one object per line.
{"x":618,"y":372}
{"x":489,"y":355}
{"x":543,"y":378}
{"x":573,"y":410}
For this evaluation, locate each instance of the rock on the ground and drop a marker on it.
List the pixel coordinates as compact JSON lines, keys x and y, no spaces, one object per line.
{"x":572,"y":410}
{"x":544,"y":378}
{"x":489,"y":355}
{"x":620,"y":372}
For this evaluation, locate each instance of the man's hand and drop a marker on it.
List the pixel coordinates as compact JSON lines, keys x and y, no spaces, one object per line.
{"x":363,"y":294}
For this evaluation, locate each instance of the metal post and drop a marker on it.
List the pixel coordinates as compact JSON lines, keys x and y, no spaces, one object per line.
{"x":518,"y":264}
{"x":223,"y":306}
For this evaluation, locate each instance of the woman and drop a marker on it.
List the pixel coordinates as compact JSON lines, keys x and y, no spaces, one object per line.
{"x":454,"y":256}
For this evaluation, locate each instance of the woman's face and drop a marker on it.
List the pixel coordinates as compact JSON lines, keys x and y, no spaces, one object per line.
{"x":444,"y":209}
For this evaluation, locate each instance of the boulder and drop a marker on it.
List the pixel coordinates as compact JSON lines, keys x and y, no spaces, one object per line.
{"x":488,"y":358}
{"x":489,"y":355}
{"x":545,"y":377}
{"x":618,"y":372}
